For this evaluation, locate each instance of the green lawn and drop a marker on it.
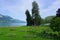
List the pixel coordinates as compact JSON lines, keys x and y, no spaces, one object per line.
{"x":22,"y":33}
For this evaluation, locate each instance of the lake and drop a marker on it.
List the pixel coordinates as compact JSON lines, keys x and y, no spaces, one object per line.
{"x":12,"y":24}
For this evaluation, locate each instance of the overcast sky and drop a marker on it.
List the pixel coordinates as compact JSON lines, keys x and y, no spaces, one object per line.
{"x":17,"y":8}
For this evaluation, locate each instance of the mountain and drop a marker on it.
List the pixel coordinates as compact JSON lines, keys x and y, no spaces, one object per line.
{"x":9,"y":19}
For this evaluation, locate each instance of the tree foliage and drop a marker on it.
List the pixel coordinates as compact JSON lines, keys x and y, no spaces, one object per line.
{"x":35,"y":19}
{"x":58,"y":13}
{"x":55,"y":22}
{"x":35,"y":14}
{"x":48,"y":19}
{"x":28,"y":18}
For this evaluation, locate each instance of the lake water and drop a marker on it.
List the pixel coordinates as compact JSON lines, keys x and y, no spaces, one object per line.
{"x":12,"y":24}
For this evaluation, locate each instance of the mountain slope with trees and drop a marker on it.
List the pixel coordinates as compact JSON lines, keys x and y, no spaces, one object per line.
{"x":8,"y":19}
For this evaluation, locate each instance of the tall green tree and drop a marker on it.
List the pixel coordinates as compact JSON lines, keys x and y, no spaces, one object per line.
{"x":35,"y":14}
{"x":28,"y":18}
{"x":55,"y":22}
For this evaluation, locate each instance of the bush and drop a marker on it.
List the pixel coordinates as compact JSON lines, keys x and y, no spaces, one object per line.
{"x":55,"y":24}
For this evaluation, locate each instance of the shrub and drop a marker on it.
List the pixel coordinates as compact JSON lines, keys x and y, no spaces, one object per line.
{"x":55,"y":24}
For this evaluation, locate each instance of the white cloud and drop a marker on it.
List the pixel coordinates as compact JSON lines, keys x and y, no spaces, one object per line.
{"x":51,"y":10}
{"x":17,"y":8}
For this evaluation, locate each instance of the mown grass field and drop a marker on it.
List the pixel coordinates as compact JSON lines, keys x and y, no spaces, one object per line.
{"x":22,"y":33}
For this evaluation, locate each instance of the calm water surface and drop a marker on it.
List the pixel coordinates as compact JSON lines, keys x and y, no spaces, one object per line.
{"x":12,"y":24}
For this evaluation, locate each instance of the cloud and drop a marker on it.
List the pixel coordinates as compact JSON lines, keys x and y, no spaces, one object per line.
{"x":17,"y":8}
{"x":51,"y":10}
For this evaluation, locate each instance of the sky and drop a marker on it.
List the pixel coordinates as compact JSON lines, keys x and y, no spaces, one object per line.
{"x":16,"y":8}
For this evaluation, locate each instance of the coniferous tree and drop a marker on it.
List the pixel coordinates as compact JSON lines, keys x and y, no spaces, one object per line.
{"x":28,"y":18}
{"x":35,"y":14}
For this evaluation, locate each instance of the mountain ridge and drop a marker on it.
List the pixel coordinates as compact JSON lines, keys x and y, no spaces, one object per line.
{"x":4,"y":18}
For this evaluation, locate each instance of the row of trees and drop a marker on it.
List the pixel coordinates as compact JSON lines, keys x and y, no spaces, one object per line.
{"x":34,"y":19}
{"x":46,"y":20}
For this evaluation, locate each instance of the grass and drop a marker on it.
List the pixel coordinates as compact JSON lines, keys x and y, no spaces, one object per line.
{"x":22,"y":33}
